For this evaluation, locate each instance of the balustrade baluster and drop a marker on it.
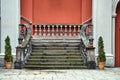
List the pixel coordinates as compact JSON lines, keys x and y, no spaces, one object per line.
{"x":65,"y":32}
{"x":79,"y":31}
{"x":52,"y":30}
{"x":39,"y":30}
{"x":70,"y":31}
{"x":48,"y":30}
{"x":56,"y":30}
{"x":35,"y":30}
{"x":74,"y":32}
{"x":44,"y":30}
{"x":61,"y":30}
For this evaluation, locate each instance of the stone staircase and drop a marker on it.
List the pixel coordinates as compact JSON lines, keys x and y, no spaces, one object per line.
{"x":55,"y":54}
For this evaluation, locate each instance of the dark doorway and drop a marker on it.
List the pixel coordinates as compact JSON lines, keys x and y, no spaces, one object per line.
{"x":117,"y":37}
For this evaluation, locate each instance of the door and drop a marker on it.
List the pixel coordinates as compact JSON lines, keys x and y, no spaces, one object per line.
{"x":117,"y":37}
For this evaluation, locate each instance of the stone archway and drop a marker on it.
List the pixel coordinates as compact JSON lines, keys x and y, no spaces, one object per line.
{"x":117,"y":36}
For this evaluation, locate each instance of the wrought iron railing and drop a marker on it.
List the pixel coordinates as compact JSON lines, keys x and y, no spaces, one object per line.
{"x":24,"y":48}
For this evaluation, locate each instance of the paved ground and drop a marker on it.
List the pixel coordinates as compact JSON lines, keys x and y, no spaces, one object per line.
{"x":24,"y":74}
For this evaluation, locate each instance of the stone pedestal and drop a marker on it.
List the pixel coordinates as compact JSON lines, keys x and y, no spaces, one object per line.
{"x":91,"y":58}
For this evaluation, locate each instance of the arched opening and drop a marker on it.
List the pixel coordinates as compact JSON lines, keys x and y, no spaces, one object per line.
{"x":117,"y":37}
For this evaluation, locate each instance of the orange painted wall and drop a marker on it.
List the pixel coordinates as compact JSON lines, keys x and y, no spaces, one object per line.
{"x":57,"y":11}
{"x":86,"y":9}
{"x":117,"y":37}
{"x":26,"y":9}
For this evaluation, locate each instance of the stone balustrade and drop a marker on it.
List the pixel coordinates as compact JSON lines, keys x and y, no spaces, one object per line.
{"x":56,"y":31}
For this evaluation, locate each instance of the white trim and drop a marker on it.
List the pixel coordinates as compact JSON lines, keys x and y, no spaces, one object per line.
{"x":2,"y":54}
{"x":114,"y":6}
{"x":113,"y":37}
{"x":108,"y":55}
{"x":94,"y":12}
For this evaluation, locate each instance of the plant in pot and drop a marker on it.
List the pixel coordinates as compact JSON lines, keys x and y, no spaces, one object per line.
{"x":101,"y":54}
{"x":8,"y":58}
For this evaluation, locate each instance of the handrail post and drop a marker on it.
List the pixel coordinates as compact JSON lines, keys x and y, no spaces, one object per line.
{"x":19,"y":63}
{"x":87,"y":44}
{"x":24,"y":48}
{"x":91,"y":58}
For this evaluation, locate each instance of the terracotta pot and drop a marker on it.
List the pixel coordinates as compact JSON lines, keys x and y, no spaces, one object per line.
{"x":101,"y":65}
{"x":8,"y":65}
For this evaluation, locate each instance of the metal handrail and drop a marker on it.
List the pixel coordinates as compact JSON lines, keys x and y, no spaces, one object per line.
{"x":26,"y":19}
{"x":89,"y":19}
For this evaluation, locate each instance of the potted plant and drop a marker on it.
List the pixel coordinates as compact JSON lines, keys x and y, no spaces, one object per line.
{"x":101,"y":54}
{"x":8,"y":58}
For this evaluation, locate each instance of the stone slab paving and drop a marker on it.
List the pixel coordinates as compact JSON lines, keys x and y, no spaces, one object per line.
{"x":77,"y":74}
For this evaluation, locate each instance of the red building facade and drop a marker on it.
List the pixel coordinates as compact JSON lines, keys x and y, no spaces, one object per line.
{"x":56,"y":11}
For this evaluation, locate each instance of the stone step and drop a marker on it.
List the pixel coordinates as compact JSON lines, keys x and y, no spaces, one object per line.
{"x":55,"y":54}
{"x":56,"y":44}
{"x":55,"y":63}
{"x":55,"y":67}
{"x":55,"y":40}
{"x":55,"y":57}
{"x":55,"y":48}
{"x":55,"y":60}
{"x":56,"y":51}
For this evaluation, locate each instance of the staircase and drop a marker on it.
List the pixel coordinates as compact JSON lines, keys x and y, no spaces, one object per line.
{"x":55,"y":54}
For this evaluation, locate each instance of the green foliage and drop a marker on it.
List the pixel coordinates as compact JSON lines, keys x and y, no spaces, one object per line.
{"x":8,"y":56}
{"x":101,"y":54}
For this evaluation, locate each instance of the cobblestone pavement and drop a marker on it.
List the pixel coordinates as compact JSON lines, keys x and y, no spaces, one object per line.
{"x":24,"y":74}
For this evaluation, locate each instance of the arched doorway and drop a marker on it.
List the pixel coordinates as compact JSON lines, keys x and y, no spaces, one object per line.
{"x":117,"y":37}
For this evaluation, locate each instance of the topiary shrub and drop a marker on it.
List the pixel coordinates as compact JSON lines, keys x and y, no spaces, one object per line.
{"x":101,"y":54}
{"x":8,"y":56}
